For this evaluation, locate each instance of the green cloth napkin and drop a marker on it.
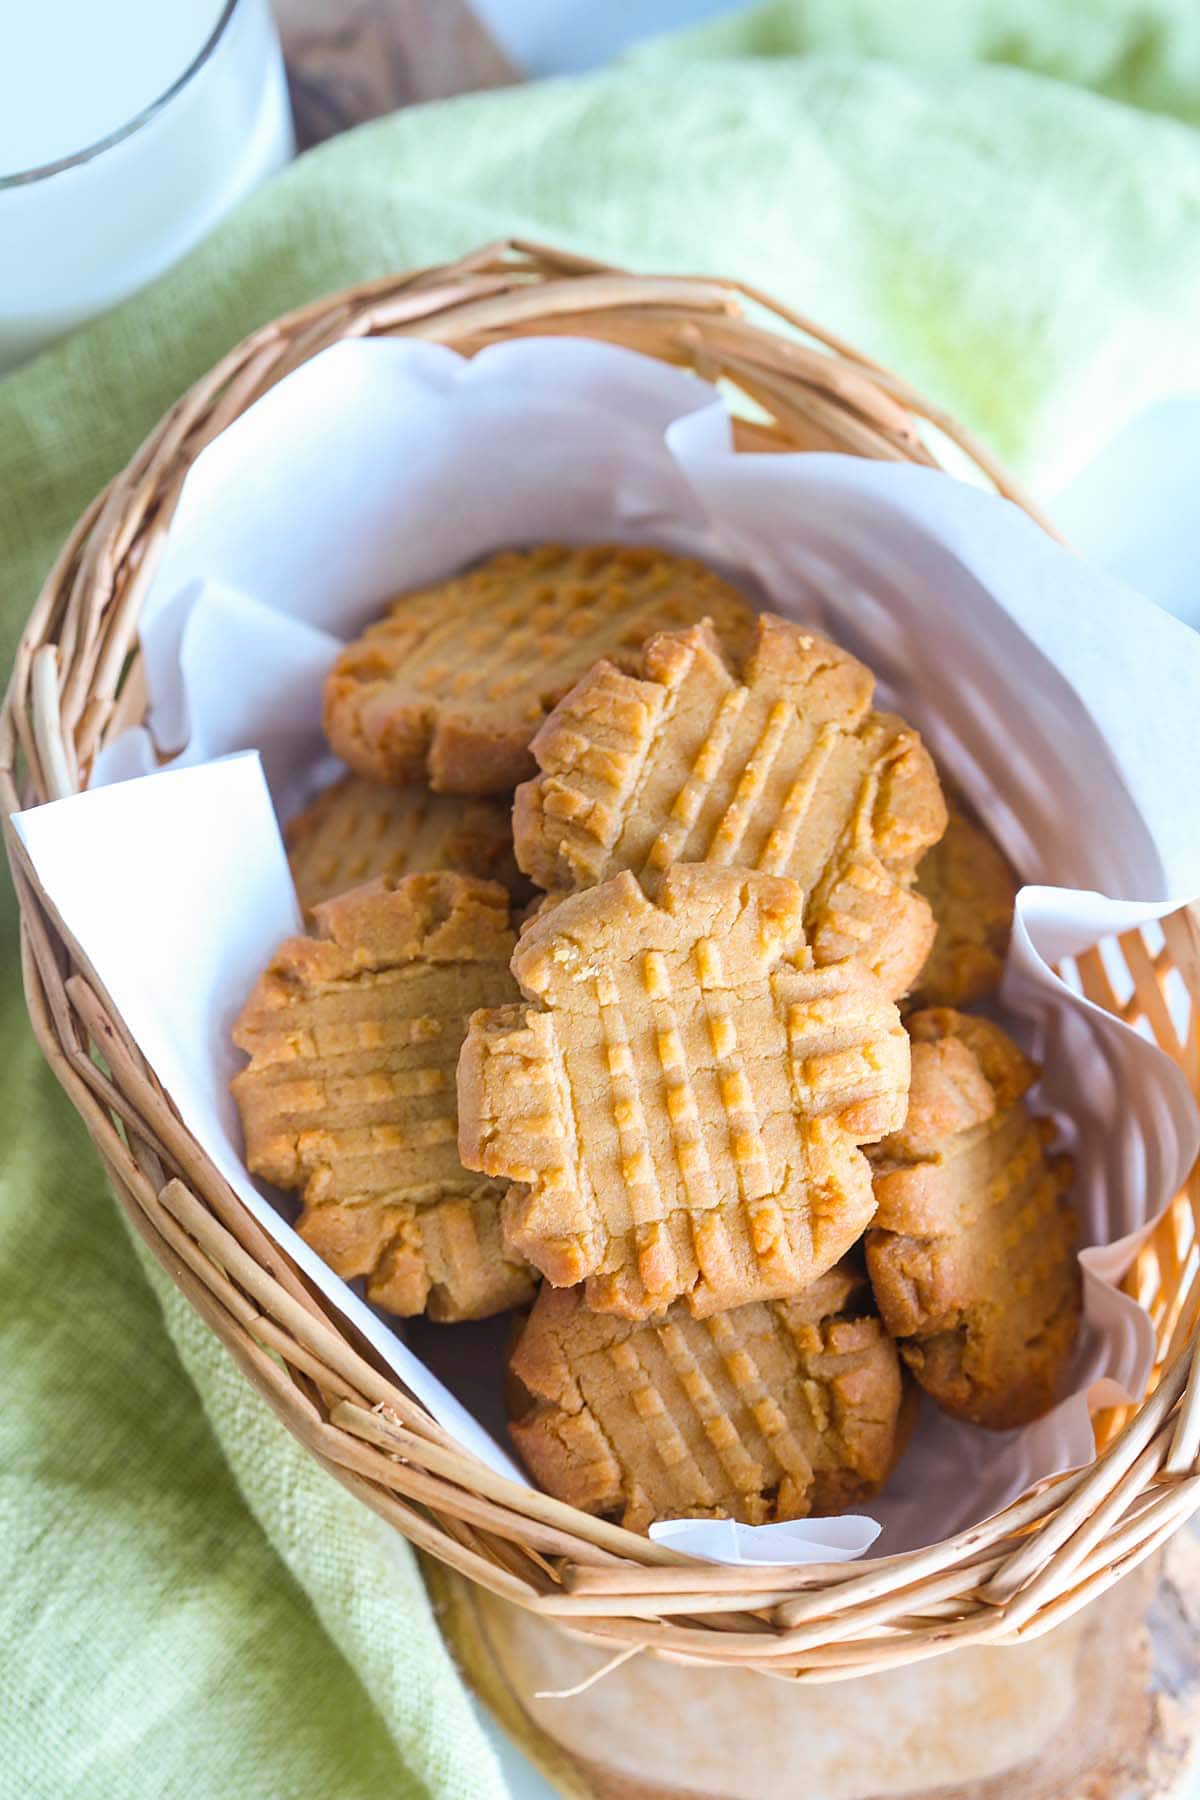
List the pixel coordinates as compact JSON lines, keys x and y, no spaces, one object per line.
{"x":1000,"y":198}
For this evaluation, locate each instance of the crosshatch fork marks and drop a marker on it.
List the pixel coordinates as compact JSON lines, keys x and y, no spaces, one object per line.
{"x":777,"y":763}
{"x":355,"y":830}
{"x":350,"y":1093}
{"x":454,"y":680}
{"x":770,"y":1411}
{"x":680,"y":1105}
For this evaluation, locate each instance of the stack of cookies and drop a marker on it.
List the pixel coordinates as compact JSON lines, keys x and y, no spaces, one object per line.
{"x":667,"y":1046}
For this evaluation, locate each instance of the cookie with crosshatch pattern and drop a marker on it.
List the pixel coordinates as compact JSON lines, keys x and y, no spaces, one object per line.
{"x":356,"y":829}
{"x":772,"y":1411}
{"x":680,"y":1105}
{"x":972,"y":1252}
{"x":451,"y":684}
{"x":353,"y":1036}
{"x":777,"y":762}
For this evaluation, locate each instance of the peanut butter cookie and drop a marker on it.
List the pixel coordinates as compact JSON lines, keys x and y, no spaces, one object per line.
{"x":355,"y":830}
{"x":972,"y":1254}
{"x":682,"y":1103}
{"x":453,"y":682}
{"x":772,"y":1411}
{"x":349,"y":1095}
{"x":971,"y":888}
{"x":776,"y":763}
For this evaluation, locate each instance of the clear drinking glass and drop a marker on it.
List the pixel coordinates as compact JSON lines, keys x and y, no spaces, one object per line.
{"x":80,"y":232}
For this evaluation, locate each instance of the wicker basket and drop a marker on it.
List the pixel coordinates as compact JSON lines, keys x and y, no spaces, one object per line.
{"x":77,"y":683}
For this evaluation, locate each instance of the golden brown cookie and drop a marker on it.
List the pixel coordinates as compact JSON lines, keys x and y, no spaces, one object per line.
{"x":355,"y":830}
{"x":349,"y":1096}
{"x":971,"y":887}
{"x":972,"y":1255}
{"x":682,"y":1103}
{"x":777,"y":763}
{"x":772,"y":1411}
{"x":453,"y":682}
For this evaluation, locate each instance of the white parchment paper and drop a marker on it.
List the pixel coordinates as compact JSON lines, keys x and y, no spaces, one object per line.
{"x":1060,"y":702}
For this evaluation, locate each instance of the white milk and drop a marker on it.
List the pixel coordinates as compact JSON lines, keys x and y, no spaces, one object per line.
{"x":74,"y":72}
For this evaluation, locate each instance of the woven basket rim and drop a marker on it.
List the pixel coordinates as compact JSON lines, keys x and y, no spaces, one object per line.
{"x":76,"y":683}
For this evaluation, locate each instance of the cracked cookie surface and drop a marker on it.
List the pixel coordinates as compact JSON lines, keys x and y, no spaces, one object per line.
{"x":355,"y":830}
{"x":972,"y":1252}
{"x":971,"y":888}
{"x":680,"y":1107}
{"x":451,"y":684}
{"x":772,"y":1411}
{"x":777,"y":763}
{"x":353,"y":1036}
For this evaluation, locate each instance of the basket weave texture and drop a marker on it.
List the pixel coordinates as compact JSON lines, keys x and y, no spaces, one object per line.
{"x":77,"y":684}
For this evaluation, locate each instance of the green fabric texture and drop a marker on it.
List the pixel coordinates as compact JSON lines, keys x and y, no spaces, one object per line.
{"x":189,"y":1607}
{"x":1001,"y":199}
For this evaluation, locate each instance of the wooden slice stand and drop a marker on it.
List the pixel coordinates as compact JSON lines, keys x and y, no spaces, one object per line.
{"x":1069,"y":1716}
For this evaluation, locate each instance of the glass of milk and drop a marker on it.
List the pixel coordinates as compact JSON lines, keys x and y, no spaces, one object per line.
{"x":126,"y":129}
